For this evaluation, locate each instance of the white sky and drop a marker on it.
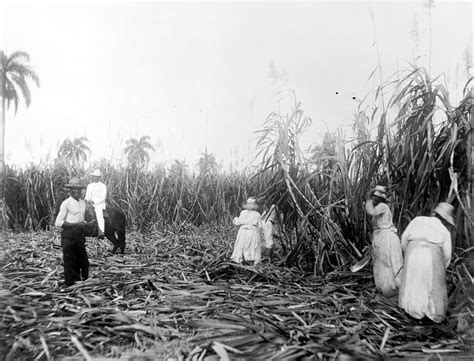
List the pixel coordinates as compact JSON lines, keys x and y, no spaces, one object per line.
{"x":115,"y":70}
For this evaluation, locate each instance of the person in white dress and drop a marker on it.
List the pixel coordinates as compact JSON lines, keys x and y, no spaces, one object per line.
{"x":426,"y":243}
{"x":96,"y":193}
{"x":268,"y":220}
{"x":247,"y":245}
{"x":386,"y":248}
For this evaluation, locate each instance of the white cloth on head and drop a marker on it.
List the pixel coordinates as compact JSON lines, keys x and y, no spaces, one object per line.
{"x":386,"y":249}
{"x":71,"y":211}
{"x":97,"y":193}
{"x":427,"y":246}
{"x":248,"y":244}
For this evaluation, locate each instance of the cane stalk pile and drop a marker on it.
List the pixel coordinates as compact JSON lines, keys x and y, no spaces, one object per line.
{"x":175,"y":296}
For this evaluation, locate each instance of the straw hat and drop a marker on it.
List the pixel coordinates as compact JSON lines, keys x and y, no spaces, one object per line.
{"x":251,"y":203}
{"x":74,"y":182}
{"x":445,"y":211}
{"x":96,"y":173}
{"x":380,"y":191}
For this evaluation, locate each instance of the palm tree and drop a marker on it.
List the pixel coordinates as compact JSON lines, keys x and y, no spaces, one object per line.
{"x":137,"y":150}
{"x":207,"y":164}
{"x":14,"y":76}
{"x":179,"y":168}
{"x":74,"y":151}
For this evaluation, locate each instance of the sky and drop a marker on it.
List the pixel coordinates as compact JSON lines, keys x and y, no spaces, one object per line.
{"x":196,"y":75}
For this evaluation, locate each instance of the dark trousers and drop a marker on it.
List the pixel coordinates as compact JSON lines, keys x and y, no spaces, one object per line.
{"x":76,"y":262}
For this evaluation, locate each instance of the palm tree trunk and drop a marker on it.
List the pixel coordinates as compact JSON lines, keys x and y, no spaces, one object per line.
{"x":471,"y":155}
{"x":3,"y":223}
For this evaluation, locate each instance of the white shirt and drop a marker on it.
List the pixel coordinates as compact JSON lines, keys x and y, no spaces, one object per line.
{"x":429,"y":229}
{"x":71,"y":211}
{"x":96,"y":192}
{"x":249,"y":218}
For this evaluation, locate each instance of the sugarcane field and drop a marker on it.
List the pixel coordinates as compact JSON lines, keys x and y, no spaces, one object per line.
{"x":200,"y":181}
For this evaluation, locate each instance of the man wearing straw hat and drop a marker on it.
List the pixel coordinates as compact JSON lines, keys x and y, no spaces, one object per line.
{"x":71,"y":219}
{"x":96,"y":193}
{"x":426,"y":243}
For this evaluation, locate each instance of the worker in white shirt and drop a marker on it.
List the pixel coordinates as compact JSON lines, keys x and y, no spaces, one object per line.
{"x":71,"y":219}
{"x":96,"y":193}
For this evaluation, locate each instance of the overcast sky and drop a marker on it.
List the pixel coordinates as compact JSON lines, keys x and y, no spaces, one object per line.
{"x":192,"y":75}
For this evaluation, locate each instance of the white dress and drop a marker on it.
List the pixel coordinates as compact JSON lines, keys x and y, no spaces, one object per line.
{"x":267,"y":226}
{"x":248,"y":244}
{"x":386,"y":250}
{"x":427,"y":246}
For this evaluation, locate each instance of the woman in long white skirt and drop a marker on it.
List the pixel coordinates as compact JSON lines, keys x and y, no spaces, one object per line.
{"x":426,"y":243}
{"x":247,"y":245}
{"x":386,"y":249}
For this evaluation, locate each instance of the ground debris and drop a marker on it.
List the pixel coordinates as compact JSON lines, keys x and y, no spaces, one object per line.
{"x":177,"y":297}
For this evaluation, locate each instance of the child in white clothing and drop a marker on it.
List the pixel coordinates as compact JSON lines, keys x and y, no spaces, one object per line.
{"x":248,"y":244}
{"x":268,"y":220}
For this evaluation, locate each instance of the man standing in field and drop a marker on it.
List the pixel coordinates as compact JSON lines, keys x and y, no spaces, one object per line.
{"x":96,"y":193}
{"x":71,"y":219}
